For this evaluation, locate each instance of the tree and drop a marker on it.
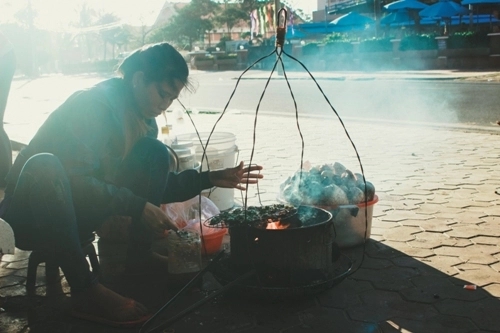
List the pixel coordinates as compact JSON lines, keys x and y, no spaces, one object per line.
{"x":231,"y":15}
{"x":85,"y":21}
{"x":108,"y":31}
{"x":249,"y":5}
{"x":26,"y":17}
{"x":188,"y":25}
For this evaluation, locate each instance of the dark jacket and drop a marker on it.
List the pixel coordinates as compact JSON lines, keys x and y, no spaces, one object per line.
{"x":86,"y":133}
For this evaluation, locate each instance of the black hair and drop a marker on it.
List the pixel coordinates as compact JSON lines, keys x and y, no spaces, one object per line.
{"x":159,"y":62}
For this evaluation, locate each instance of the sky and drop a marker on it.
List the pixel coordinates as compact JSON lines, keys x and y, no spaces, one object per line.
{"x":58,"y":14}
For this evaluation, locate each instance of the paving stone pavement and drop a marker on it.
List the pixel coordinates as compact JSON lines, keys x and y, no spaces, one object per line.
{"x":435,"y":229}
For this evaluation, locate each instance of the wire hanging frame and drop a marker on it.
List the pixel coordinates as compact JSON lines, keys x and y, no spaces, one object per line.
{"x":279,"y":52}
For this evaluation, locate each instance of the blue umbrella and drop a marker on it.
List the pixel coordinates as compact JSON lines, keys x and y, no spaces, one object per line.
{"x":352,"y":19}
{"x":444,"y":9}
{"x":397,"y":18}
{"x":477,"y":2}
{"x":405,"y":4}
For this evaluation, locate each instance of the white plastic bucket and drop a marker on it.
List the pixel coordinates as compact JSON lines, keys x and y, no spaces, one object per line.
{"x":219,"y":141}
{"x":185,"y":154}
{"x":220,"y":154}
{"x":222,"y":197}
{"x":351,"y":225}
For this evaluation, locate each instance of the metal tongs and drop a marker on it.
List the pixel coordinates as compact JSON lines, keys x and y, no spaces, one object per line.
{"x":161,"y":327}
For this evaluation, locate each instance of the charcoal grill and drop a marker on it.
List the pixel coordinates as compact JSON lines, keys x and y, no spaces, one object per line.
{"x":303,"y":285}
{"x":298,"y":261}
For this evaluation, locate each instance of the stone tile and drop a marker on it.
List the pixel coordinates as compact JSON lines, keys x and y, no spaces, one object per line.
{"x":18,"y":264}
{"x":480,"y":254}
{"x":403,"y":204}
{"x":470,"y":231}
{"x":450,"y":215}
{"x":480,"y":277}
{"x":492,"y":219}
{"x":276,"y":321}
{"x":482,"y":205}
{"x":437,"y":199}
{"x":378,"y":238}
{"x":344,"y":295}
{"x":435,"y":226}
{"x":471,"y":215}
{"x":401,"y":215}
{"x":459,"y":204}
{"x":6,"y":271}
{"x":377,"y":231}
{"x":322,"y":320}
{"x":10,"y":280}
{"x":431,"y":240}
{"x":483,"y":313}
{"x":380,"y":305}
{"x":410,"y":223}
{"x":15,"y":290}
{"x":384,"y":225}
{"x":428,"y":209}
{"x":391,"y":279}
{"x":430,"y":186}
{"x":375,"y":263}
{"x":439,"y":323}
{"x":13,"y":323}
{"x":484,"y":240}
{"x":496,"y":266}
{"x":17,"y":256}
{"x":443,"y":287}
{"x":401,"y":234}
{"x":485,"y":197}
{"x":408,"y":250}
{"x":493,"y":289}
{"x":443,"y":264}
{"x":255,"y":329}
{"x":380,"y":250}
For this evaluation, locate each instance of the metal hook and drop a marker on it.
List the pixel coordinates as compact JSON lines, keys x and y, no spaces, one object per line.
{"x":281,"y":29}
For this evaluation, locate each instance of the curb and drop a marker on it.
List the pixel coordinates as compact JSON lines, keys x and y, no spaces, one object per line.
{"x":494,"y":129}
{"x":368,"y":78}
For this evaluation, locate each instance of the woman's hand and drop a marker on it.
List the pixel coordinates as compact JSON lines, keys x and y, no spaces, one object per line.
{"x":154,"y":218}
{"x":236,"y":177}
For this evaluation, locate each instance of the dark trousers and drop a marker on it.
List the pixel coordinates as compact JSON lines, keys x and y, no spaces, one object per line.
{"x":7,"y":69}
{"x":43,"y":215}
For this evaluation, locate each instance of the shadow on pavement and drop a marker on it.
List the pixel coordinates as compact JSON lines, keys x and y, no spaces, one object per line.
{"x":390,"y":292}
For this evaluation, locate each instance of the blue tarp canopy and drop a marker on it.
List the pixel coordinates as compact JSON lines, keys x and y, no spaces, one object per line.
{"x":479,"y":2}
{"x":443,"y":9}
{"x":455,"y":20}
{"x":397,"y":18}
{"x":352,"y":19}
{"x":405,"y":4}
{"x":294,"y":33}
{"x":322,"y":28}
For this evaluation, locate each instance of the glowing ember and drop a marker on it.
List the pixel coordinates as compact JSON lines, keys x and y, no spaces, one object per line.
{"x":275,"y":225}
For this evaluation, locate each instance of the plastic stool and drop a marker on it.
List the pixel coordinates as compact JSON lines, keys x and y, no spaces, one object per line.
{"x":52,"y":268}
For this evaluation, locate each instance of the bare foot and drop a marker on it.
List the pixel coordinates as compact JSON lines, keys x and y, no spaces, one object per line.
{"x":103,"y":305}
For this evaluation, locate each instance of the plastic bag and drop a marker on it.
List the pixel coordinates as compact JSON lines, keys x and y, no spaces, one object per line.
{"x":186,"y":214}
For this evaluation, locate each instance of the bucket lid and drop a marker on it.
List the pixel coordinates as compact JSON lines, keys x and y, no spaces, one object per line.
{"x":216,"y":138}
{"x":183,"y":152}
{"x":182,"y":144}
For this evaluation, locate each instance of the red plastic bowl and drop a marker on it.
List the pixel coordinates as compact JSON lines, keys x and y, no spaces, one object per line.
{"x":212,"y":242}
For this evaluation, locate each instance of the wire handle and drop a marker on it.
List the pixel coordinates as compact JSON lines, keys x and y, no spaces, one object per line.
{"x":281,"y":27}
